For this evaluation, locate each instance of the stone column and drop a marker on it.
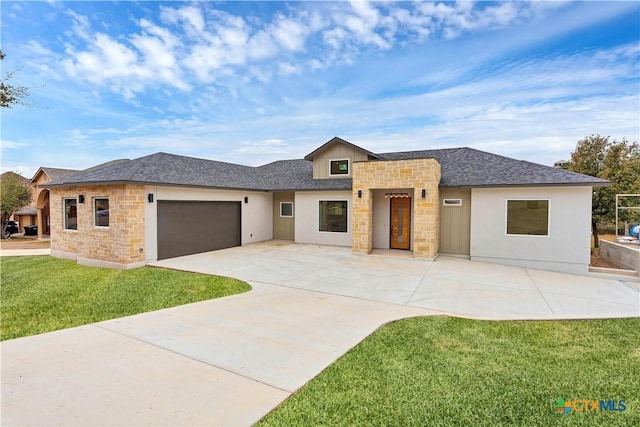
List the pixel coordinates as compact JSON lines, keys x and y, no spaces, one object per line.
{"x":362,"y":221}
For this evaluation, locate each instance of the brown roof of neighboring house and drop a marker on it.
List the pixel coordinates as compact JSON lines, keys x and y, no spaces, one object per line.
{"x":17,"y":175}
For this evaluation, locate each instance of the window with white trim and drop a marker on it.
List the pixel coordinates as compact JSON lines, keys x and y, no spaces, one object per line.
{"x":101,"y":212}
{"x":70,"y":214}
{"x":339,"y":167}
{"x":286,"y":209}
{"x":528,"y":217}
{"x":332,"y":216}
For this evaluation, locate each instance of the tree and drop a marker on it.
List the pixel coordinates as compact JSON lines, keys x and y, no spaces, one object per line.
{"x":14,"y":195}
{"x":616,"y":161}
{"x":12,"y":94}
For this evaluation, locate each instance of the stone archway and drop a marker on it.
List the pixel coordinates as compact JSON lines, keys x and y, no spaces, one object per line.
{"x":42,"y":204}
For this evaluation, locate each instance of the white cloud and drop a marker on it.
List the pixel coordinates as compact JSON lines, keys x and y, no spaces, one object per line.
{"x":6,"y":144}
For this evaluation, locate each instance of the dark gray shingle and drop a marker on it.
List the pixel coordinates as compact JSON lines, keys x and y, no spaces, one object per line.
{"x":468,"y":167}
{"x":460,"y":167}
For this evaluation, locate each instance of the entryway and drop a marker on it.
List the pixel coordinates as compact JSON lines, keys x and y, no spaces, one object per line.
{"x":400,"y":223}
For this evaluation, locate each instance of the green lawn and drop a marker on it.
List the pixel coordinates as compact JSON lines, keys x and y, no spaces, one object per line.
{"x":42,"y":294}
{"x":441,"y":371}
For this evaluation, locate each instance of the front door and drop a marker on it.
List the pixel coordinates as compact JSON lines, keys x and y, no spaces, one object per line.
{"x":400,"y":223}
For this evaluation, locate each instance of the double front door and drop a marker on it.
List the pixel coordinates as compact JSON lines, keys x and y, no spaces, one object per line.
{"x":400,"y":223}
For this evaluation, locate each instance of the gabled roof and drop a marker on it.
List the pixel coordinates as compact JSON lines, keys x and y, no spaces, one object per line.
{"x":460,"y":167}
{"x":54,"y":173}
{"x":336,"y":140}
{"x":164,"y":168}
{"x":297,"y":175}
{"x":468,"y":167}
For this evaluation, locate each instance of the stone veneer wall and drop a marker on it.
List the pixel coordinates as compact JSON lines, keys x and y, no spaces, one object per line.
{"x":417,"y":174}
{"x":122,"y":243}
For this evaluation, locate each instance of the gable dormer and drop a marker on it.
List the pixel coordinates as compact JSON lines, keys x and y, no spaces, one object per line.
{"x":334,"y":159}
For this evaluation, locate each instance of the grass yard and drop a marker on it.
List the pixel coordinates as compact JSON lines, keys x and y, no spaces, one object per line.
{"x":43,"y":294}
{"x":441,"y":371}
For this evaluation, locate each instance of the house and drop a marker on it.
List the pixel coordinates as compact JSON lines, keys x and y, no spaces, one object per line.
{"x":39,"y":208}
{"x":26,"y":215}
{"x":458,"y":201}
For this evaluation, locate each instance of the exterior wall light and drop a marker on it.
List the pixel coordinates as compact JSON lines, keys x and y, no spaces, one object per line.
{"x":246,"y":199}
{"x":150,"y":197}
{"x":359,"y":194}
{"x":424,"y":193}
{"x":81,"y":198}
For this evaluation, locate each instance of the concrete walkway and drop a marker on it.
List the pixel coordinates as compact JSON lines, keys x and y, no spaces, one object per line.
{"x":24,"y":252}
{"x":224,"y":362}
{"x":230,"y":361}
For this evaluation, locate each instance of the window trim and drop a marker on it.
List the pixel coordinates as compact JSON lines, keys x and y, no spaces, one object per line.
{"x":340,"y":159}
{"x":95,"y":213}
{"x":64,"y":214}
{"x":286,"y":216}
{"x":506,"y":217}
{"x":318,"y":216}
{"x":458,"y":202}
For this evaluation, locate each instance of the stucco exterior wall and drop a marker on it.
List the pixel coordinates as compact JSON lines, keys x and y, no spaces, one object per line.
{"x":256,"y":221}
{"x":120,"y":245}
{"x":566,"y":248}
{"x":307,"y":211}
{"x":417,"y":174}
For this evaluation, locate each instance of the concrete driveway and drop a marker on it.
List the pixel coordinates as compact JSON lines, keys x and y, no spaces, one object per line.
{"x":231,"y":360}
{"x":452,"y":286}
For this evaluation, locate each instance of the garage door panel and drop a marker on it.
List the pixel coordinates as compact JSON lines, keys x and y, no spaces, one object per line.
{"x":190,"y":227}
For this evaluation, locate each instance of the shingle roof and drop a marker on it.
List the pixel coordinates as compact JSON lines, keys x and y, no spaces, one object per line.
{"x":460,"y":167}
{"x":57,"y":173}
{"x":468,"y":167}
{"x":337,"y":140}
{"x":163,"y":168}
{"x":285,"y":175}
{"x":19,"y":177}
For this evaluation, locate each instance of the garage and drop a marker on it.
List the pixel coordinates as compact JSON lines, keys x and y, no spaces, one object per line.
{"x":191,"y":227}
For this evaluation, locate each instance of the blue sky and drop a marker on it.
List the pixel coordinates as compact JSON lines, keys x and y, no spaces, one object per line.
{"x":253,"y":82}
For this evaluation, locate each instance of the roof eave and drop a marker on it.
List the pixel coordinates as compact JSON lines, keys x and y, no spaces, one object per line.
{"x":547,"y":184}
{"x":157,"y":184}
{"x":338,"y":140}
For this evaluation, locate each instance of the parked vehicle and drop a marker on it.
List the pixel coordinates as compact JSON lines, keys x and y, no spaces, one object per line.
{"x":12,"y":228}
{"x":31,"y":230}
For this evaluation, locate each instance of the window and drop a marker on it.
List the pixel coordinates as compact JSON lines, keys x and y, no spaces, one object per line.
{"x":452,"y":202}
{"x":101,"y":212}
{"x":339,"y":167}
{"x":286,"y":209}
{"x":528,"y":217}
{"x":332,"y":216}
{"x":70,"y":214}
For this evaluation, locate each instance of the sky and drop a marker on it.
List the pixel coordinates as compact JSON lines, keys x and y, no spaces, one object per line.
{"x":252,"y":82}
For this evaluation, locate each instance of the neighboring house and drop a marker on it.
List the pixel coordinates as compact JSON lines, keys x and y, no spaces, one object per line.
{"x":458,"y":201}
{"x":561,"y":164}
{"x":27,"y":215}
{"x":40,"y":209}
